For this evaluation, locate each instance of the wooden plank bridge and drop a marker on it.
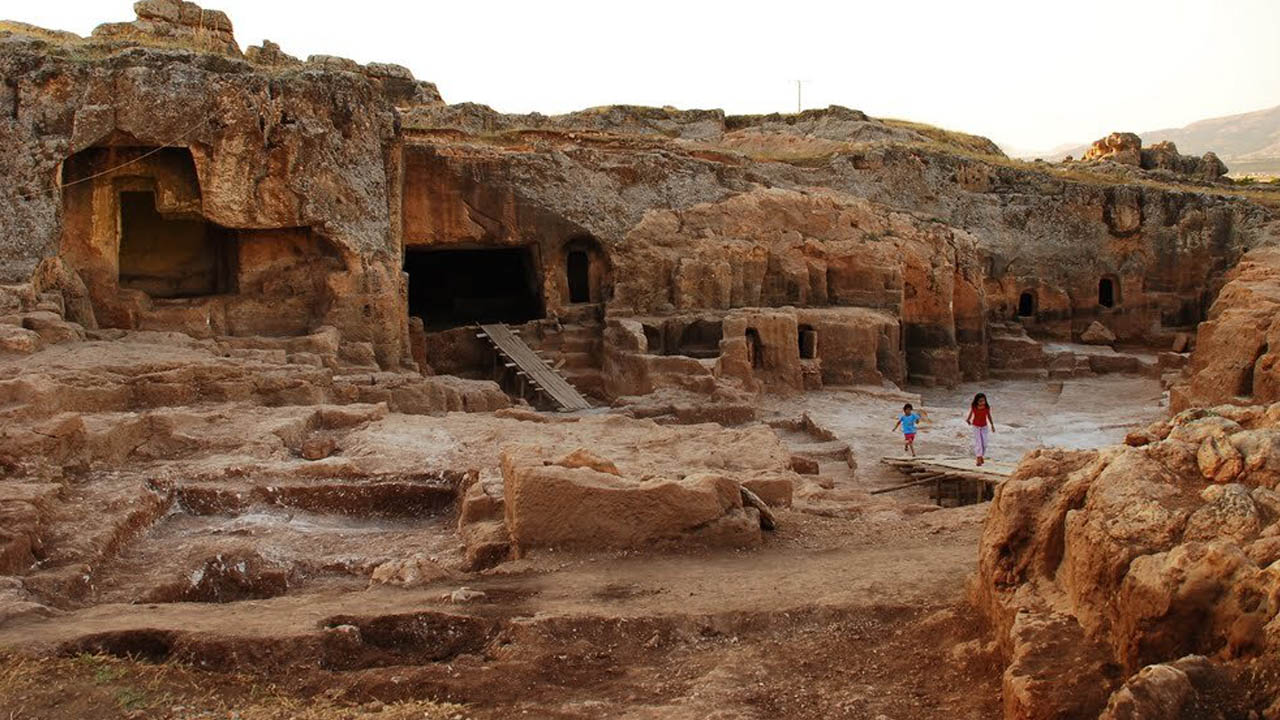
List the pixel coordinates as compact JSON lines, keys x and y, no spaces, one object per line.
{"x":530,"y":370}
{"x":952,"y":480}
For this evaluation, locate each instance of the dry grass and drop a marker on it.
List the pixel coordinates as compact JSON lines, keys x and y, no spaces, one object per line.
{"x":102,"y":686}
{"x":949,"y":138}
{"x":1263,"y":194}
{"x":18,"y":28}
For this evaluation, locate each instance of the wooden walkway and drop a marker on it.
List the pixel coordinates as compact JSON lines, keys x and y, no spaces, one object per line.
{"x":531,"y":370}
{"x":953,"y":479}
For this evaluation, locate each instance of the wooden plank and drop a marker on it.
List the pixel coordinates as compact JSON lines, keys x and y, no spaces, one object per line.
{"x":915,"y":483}
{"x":534,"y":368}
{"x":995,"y":470}
{"x":951,"y":476}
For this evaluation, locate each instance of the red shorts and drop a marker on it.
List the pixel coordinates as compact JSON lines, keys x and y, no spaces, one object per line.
{"x":909,"y":437}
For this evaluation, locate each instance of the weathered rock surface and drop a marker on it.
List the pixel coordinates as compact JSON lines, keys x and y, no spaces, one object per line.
{"x":1137,"y":556}
{"x":1097,"y":334}
{"x":1167,"y":690}
{"x":1120,"y":147}
{"x":320,"y":175}
{"x":414,"y":571}
{"x":582,"y":501}
{"x":1126,"y":149}
{"x":154,"y":83}
{"x":1237,"y":350}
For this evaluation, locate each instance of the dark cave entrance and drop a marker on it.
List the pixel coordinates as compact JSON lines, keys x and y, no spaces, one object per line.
{"x":808,"y":342}
{"x":171,"y":257}
{"x":701,"y":339}
{"x":1107,"y":294}
{"x":1027,"y":304}
{"x":578,"y":267}
{"x":755,"y":348}
{"x":453,"y":288}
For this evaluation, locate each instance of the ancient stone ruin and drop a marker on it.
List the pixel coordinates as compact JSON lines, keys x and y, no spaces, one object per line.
{"x":283,"y":341}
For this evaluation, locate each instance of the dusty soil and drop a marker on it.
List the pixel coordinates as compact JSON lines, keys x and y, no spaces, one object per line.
{"x":855,"y":613}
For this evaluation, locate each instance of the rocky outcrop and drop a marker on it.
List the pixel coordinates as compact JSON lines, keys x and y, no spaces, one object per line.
{"x":173,"y":22}
{"x":1125,"y":148}
{"x":302,"y":192}
{"x":1133,"y":556}
{"x":1237,"y":350}
{"x":161,"y":82}
{"x":1120,"y":147}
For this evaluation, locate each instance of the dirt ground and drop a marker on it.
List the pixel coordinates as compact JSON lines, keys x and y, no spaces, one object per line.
{"x":1078,"y":414}
{"x":853,"y":614}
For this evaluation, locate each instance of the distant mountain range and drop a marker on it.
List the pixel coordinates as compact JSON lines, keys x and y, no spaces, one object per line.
{"x":1248,"y":143}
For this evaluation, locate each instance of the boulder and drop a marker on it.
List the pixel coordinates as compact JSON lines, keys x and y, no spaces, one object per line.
{"x":1118,"y":147}
{"x":1097,"y":334}
{"x":19,"y":340}
{"x":548,"y":504}
{"x":482,"y":524}
{"x":317,"y":448}
{"x":1125,"y":148}
{"x":414,"y":571}
{"x":774,"y":490}
{"x":1159,"y":691}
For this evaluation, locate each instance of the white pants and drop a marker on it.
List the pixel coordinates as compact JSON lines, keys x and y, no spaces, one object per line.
{"x":980,"y":437}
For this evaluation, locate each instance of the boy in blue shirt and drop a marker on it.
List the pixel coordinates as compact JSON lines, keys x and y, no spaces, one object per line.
{"x":908,"y":421}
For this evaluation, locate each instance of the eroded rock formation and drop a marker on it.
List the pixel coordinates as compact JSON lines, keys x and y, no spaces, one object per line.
{"x":169,"y":182}
{"x":1125,"y":148}
{"x":1236,"y":357}
{"x":1109,"y":561}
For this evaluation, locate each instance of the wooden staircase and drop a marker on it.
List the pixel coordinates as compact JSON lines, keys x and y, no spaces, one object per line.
{"x":531,"y":372}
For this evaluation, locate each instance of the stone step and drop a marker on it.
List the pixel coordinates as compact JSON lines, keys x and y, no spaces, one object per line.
{"x":586,"y":313}
{"x":588,"y":380}
{"x":574,"y":360}
{"x":580,"y":343}
{"x":1019,"y":374}
{"x":830,"y":450}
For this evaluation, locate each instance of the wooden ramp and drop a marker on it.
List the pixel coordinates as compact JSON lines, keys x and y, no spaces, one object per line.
{"x":952,"y":479}
{"x":531,"y":370}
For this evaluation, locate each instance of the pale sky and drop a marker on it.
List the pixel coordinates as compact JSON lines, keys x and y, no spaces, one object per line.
{"x":1029,"y":74}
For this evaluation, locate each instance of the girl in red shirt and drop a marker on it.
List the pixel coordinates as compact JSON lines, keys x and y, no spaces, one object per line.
{"x":983,"y":425}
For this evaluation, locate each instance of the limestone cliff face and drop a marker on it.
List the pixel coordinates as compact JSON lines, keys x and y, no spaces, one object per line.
{"x":1037,"y":235}
{"x":780,"y":248}
{"x":269,"y":149}
{"x":1237,"y":354}
{"x":268,"y":195}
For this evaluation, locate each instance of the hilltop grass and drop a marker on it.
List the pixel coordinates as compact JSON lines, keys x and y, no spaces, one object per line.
{"x":18,"y":28}
{"x":948,"y":138}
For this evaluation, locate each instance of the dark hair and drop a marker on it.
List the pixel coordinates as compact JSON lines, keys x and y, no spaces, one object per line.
{"x":976,"y":398}
{"x":906,"y":408}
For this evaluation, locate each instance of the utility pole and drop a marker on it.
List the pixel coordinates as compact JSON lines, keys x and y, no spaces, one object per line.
{"x":798,"y":84}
